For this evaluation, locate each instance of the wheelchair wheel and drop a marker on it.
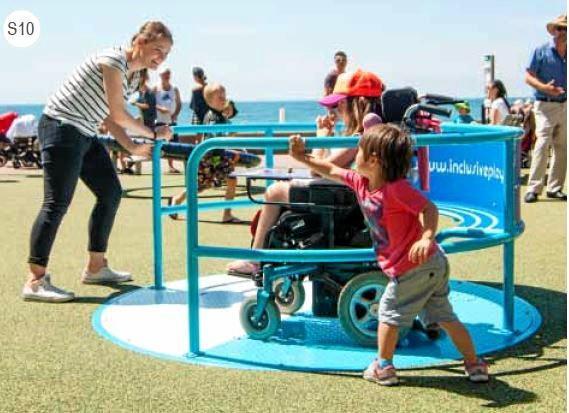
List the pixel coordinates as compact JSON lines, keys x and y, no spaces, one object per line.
{"x":358,"y":307}
{"x":266,"y":326}
{"x":293,"y":300}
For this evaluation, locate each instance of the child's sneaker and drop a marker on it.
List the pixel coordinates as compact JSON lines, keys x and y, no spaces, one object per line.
{"x":43,"y":290}
{"x":385,"y":376}
{"x":477,"y":372}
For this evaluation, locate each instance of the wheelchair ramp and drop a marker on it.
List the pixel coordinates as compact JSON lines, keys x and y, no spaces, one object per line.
{"x":154,"y":322}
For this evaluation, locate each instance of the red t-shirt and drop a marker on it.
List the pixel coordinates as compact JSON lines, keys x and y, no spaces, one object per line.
{"x":392,"y":215}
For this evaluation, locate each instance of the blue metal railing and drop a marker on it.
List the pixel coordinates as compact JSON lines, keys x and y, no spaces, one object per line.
{"x":463,"y":134}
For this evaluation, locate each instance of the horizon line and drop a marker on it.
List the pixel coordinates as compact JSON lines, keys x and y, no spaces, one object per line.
{"x":269,"y":100}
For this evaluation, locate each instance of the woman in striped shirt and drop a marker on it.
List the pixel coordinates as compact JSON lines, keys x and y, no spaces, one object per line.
{"x":93,"y":96}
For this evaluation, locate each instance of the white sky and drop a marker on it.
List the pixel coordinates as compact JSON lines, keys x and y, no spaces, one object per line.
{"x":281,"y":50}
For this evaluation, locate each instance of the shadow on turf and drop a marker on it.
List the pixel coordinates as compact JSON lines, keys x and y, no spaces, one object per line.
{"x":496,"y":393}
{"x":553,"y":308}
{"x":120,"y":289}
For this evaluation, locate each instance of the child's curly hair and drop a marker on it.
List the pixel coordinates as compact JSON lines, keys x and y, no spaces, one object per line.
{"x":393,"y":148}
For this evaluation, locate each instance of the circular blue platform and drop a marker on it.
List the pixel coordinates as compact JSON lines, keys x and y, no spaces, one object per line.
{"x":154,"y":322}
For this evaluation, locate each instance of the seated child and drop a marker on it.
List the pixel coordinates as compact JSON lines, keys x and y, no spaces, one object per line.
{"x":214,"y":166}
{"x":213,"y":117}
{"x":464,"y":116}
{"x":406,"y":251}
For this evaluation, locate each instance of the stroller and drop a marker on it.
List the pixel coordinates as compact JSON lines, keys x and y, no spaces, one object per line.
{"x":325,"y":215}
{"x":20,"y":145}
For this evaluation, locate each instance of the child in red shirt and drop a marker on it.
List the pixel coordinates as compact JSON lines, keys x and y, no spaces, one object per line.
{"x":406,"y":249}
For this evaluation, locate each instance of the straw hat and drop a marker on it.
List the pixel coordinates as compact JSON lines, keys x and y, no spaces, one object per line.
{"x":559,"y":21}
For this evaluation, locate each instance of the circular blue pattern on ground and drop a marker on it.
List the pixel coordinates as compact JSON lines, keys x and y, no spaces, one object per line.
{"x":154,"y":322}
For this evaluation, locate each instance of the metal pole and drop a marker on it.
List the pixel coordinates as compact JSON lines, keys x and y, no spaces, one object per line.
{"x":488,"y":78}
{"x":191,"y":245}
{"x":509,"y":226}
{"x":157,"y":214}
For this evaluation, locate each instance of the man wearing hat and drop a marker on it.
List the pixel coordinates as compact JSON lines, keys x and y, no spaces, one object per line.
{"x":547,"y":74}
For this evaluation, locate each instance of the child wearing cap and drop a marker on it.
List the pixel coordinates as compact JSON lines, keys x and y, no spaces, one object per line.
{"x":463,"y":109}
{"x":406,"y":250}
{"x":355,"y":95}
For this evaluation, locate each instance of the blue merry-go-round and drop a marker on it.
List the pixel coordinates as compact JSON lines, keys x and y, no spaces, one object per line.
{"x":474,"y":180}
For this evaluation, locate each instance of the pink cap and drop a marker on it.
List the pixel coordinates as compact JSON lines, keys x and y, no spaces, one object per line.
{"x":332,"y":100}
{"x":371,"y":119}
{"x":340,"y":91}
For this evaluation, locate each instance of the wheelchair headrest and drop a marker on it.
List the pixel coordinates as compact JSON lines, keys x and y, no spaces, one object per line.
{"x":394,"y":103}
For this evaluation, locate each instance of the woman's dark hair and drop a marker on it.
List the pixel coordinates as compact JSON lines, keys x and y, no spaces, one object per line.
{"x":358,"y":107}
{"x":502,"y":92}
{"x":393,"y":148}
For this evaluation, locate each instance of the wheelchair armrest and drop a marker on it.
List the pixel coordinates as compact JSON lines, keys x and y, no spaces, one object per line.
{"x":282,"y":176}
{"x":248,"y":181}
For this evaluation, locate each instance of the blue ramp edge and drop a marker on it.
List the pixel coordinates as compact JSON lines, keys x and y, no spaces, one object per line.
{"x":154,"y":323}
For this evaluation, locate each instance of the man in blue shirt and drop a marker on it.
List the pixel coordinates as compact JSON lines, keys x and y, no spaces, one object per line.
{"x":547,"y":74}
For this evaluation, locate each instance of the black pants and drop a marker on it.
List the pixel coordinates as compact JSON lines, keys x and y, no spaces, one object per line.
{"x":67,"y":156}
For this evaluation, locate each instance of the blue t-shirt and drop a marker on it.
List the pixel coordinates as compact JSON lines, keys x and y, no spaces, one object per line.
{"x":546,"y":64}
{"x":464,"y":119}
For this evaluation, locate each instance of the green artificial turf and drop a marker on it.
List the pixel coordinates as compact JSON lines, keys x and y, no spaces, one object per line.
{"x":51,"y":359}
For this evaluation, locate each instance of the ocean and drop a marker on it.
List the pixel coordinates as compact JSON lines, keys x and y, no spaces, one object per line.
{"x":251,"y":112}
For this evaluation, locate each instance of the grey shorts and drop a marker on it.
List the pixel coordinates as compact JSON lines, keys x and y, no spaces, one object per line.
{"x":421,"y":291}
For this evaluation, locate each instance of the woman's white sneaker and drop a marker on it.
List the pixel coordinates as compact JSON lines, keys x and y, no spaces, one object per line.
{"x":43,"y":290}
{"x":105,"y":275}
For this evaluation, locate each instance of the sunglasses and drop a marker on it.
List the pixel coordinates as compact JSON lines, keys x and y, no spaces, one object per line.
{"x":561,"y":28}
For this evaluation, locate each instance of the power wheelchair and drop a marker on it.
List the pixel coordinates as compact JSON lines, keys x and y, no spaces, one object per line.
{"x":325,"y":215}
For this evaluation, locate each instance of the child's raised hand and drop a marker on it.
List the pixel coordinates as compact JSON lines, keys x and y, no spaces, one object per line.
{"x":324,"y":126}
{"x":419,"y":251}
{"x":296,"y":147}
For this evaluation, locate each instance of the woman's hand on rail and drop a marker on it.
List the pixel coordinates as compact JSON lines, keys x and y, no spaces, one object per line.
{"x":163,"y":132}
{"x":144,"y":149}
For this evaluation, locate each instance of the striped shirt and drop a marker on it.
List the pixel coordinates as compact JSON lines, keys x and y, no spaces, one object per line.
{"x":81,"y":100}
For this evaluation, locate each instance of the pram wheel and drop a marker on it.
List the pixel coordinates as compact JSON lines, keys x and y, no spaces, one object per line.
{"x":3,"y":160}
{"x":266,"y":326}
{"x":358,"y":307}
{"x":290,"y":302}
